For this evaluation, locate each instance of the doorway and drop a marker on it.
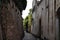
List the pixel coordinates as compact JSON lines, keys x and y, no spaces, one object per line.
{"x":58,"y":15}
{"x":40,"y":31}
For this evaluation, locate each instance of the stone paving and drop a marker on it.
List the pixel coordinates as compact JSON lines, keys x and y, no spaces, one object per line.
{"x":29,"y":36}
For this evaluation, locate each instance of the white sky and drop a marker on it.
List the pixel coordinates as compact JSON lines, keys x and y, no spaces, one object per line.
{"x":26,"y":11}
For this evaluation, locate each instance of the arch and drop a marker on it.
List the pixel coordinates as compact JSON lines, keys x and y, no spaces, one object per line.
{"x":58,"y":15}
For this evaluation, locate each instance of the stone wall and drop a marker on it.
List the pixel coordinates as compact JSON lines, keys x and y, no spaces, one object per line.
{"x":46,"y":11}
{"x":11,"y":22}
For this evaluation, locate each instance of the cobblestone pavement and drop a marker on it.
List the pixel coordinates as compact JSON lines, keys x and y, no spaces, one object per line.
{"x":29,"y":36}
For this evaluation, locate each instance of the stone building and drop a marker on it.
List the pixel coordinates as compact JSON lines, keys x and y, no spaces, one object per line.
{"x":11,"y":25}
{"x":46,"y":19}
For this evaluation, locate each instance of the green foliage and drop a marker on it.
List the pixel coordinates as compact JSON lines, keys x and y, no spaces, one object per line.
{"x":28,"y":19}
{"x":25,"y":22}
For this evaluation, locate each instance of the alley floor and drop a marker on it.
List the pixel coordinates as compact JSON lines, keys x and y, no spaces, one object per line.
{"x":29,"y":36}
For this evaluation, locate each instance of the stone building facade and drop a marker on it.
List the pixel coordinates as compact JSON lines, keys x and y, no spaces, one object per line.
{"x":46,"y":19}
{"x":11,"y":22}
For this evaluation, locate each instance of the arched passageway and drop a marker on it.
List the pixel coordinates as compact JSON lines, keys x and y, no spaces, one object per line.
{"x":58,"y":15}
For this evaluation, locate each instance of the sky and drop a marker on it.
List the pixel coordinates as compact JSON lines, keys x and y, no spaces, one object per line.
{"x":26,"y":11}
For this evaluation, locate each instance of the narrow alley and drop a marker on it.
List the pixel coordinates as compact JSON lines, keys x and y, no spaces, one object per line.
{"x":29,"y":19}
